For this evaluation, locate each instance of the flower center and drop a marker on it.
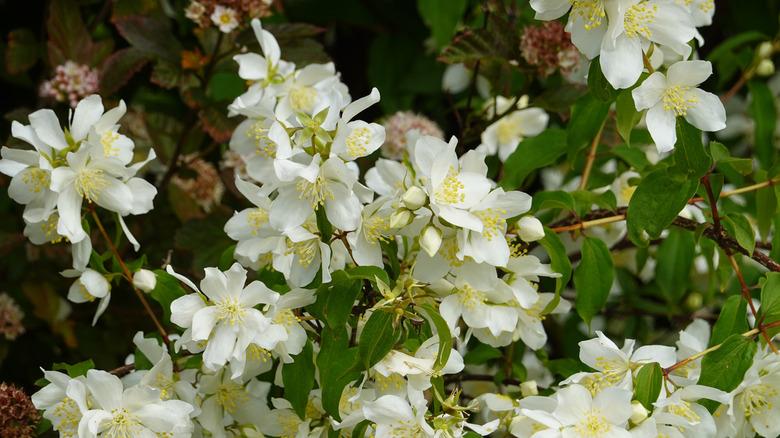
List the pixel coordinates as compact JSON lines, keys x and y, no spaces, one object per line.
{"x":593,"y":425}
{"x":591,"y":11}
{"x":683,"y":409}
{"x":493,"y":222}
{"x":289,"y":422}
{"x":302,"y":99}
{"x":470,"y":297}
{"x":165,"y":385}
{"x":316,"y":192}
{"x":258,"y":133}
{"x":358,"y":141}
{"x":89,"y":183}
{"x":123,"y":424}
{"x":506,"y":131}
{"x":257,"y":353}
{"x":107,"y":141}
{"x":374,"y":229}
{"x":678,"y":99}
{"x":451,"y":189}
{"x":230,"y":395}
{"x":305,"y":251}
{"x":230,"y":310}
{"x":49,"y":228}
{"x":285,"y":317}
{"x":637,"y":19}
{"x":257,"y":218}
{"x":66,"y":416}
{"x":757,"y":399}
{"x":226,"y":18}
{"x":37,"y":179}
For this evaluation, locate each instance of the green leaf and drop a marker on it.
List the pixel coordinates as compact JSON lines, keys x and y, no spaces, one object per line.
{"x":766,"y":207}
{"x":443,"y":331}
{"x":584,"y":200}
{"x":75,"y":370}
{"x":480,"y":354}
{"x":647,"y":384}
{"x":598,"y":84}
{"x":626,"y":115}
{"x":298,"y":378}
{"x":764,"y":112}
{"x":442,"y":17}
{"x":370,"y":273}
{"x":593,"y":278}
{"x":165,"y":291}
{"x":338,"y":365}
{"x":675,"y":259}
{"x":531,"y":154}
{"x":738,"y":225}
{"x":770,"y":301}
{"x":559,"y":262}
{"x":731,"y":321}
{"x":225,"y":86}
{"x":553,"y":199}
{"x":335,"y":300}
{"x":722,"y":157}
{"x":587,"y":115}
{"x":378,"y":337}
{"x":656,"y":202}
{"x":725,"y":367}
{"x":690,"y":157}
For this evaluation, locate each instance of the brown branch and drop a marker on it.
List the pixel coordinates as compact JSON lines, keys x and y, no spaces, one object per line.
{"x":591,"y":157}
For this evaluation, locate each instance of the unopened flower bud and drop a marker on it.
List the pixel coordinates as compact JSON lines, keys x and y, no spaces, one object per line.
{"x":414,"y":198}
{"x":529,"y":388}
{"x":145,"y":280}
{"x":401,"y":218}
{"x":430,"y":240}
{"x":638,"y":412}
{"x":765,"y":68}
{"x":765,"y":50}
{"x":694,"y":301}
{"x":530,"y":229}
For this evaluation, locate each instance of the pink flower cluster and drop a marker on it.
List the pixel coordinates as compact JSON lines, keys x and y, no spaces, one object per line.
{"x":10,"y":318}
{"x":549,"y":48}
{"x":71,"y":82}
{"x":201,"y":182}
{"x":399,"y":125}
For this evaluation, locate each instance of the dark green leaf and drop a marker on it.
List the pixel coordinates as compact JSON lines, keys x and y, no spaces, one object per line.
{"x":675,"y":259}
{"x":770,"y":300}
{"x":441,"y":16}
{"x":764,"y":112}
{"x":722,"y":157}
{"x":725,"y":367}
{"x":593,"y":278}
{"x":553,"y":199}
{"x":298,"y":378}
{"x":656,"y":202}
{"x":559,"y":261}
{"x":339,"y":365}
{"x":165,"y":291}
{"x":75,"y":370}
{"x":690,"y":157}
{"x":335,"y":300}
{"x":370,"y":273}
{"x":647,"y":384}
{"x":737,"y":225}
{"x":378,"y":337}
{"x":443,"y":331}
{"x":531,"y":154}
{"x":626,"y":115}
{"x":731,"y":321}
{"x":598,"y":84}
{"x":587,"y":116}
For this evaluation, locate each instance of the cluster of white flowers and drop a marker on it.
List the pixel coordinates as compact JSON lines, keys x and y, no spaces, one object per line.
{"x":633,"y":36}
{"x":89,"y":161}
{"x":457,"y":243}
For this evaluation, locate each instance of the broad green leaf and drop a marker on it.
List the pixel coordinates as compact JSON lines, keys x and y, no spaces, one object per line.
{"x":585,"y":200}
{"x":626,"y":116}
{"x":298,"y":378}
{"x":725,"y":367}
{"x":441,"y":16}
{"x":737,"y":225}
{"x":690,"y":157}
{"x":531,"y":154}
{"x":559,"y":261}
{"x":587,"y":116}
{"x":165,"y":291}
{"x":722,"y":157}
{"x":552,"y":200}
{"x":338,"y":365}
{"x":593,"y":278}
{"x":656,"y":202}
{"x":335,"y":300}
{"x":75,"y":370}
{"x":766,"y":207}
{"x":378,"y":337}
{"x":634,"y":157}
{"x":764,"y":112}
{"x":770,"y":300}
{"x":598,"y":84}
{"x":443,"y":331}
{"x":675,"y":259}
{"x":731,"y":321}
{"x":480,"y":354}
{"x":647,"y":384}
{"x":370,"y":273}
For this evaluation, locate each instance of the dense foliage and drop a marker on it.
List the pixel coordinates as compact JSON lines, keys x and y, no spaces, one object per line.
{"x":433,"y":218}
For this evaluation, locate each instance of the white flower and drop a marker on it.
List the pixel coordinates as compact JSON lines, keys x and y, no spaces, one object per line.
{"x":680,"y":410}
{"x":615,"y":365}
{"x":505,"y":134}
{"x":530,"y":229}
{"x":633,"y":25}
{"x":225,"y":18}
{"x":250,"y":227}
{"x":355,"y":139}
{"x":309,"y":91}
{"x":394,"y":416}
{"x":286,"y":336}
{"x":693,"y":340}
{"x":57,"y":405}
{"x":161,"y":376}
{"x":373,"y":229}
{"x":223,"y":314}
{"x":227,"y":402}
{"x":300,"y":254}
{"x":144,"y":280}
{"x":578,"y":414}
{"x":675,"y":94}
{"x":135,"y":411}
{"x":89,"y":286}
{"x":267,"y":68}
{"x":587,"y":22}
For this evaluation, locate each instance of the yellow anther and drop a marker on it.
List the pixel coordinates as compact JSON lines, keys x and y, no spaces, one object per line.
{"x":451,"y":189}
{"x":678,"y":99}
{"x":638,"y":18}
{"x":358,"y":141}
{"x":590,"y":11}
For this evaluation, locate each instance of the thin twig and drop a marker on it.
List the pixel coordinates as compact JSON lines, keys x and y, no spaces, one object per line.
{"x":591,"y":156}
